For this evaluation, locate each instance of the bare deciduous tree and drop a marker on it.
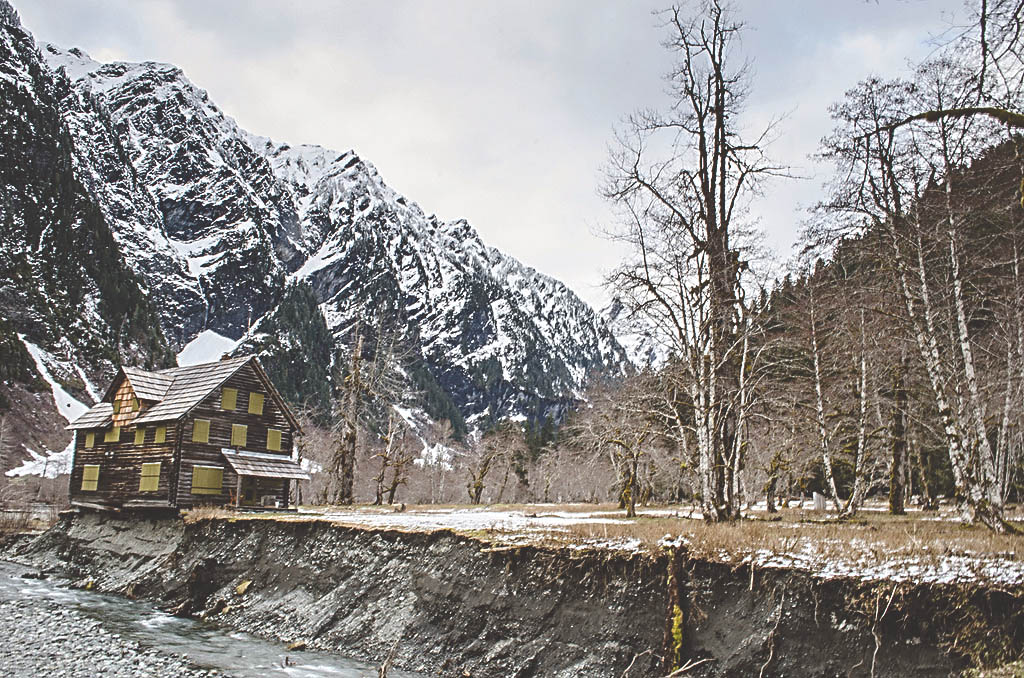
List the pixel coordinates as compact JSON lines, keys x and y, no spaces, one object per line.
{"x":681,"y":216}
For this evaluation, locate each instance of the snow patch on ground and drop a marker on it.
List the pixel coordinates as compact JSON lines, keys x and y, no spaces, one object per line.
{"x":49,"y":465}
{"x":207,"y":347}
{"x":468,"y":519}
{"x":860,"y":559}
{"x":69,"y":407}
{"x":939,"y":569}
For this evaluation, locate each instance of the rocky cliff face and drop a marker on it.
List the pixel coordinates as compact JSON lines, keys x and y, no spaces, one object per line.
{"x":461,"y":606}
{"x":64,"y":282}
{"x":137,"y":214}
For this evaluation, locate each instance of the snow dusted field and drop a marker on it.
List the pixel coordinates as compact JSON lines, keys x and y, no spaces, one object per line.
{"x":920,"y":547}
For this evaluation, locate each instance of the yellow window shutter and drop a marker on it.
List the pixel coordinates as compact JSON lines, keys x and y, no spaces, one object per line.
{"x":135,"y":404}
{"x":140,"y":436}
{"x":201,"y":430}
{"x":161,"y":434}
{"x":273,"y":439}
{"x":90,"y":439}
{"x":113,"y":435}
{"x":238,"y":435}
{"x":207,"y":479}
{"x":228,"y":398}
{"x":255,"y":403}
{"x":90,"y":477}
{"x":149,"y":481}
{"x":117,"y":406}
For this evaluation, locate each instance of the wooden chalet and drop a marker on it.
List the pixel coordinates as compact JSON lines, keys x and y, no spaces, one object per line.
{"x":217,"y":433}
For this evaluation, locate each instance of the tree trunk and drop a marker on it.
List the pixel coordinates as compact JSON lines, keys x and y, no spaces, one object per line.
{"x":629,"y":491}
{"x":826,"y":457}
{"x":771,"y":487}
{"x":342,"y":467}
{"x":860,"y":456}
{"x":897,"y":471}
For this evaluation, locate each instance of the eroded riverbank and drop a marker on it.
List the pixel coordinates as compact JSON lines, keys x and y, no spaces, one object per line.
{"x":460,"y":604}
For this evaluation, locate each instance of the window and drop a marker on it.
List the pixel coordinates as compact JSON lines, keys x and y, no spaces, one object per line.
{"x":149,"y":481}
{"x":238,"y":435}
{"x":90,"y":439}
{"x":117,"y":406}
{"x":273,"y":439}
{"x":140,"y":436}
{"x":160,"y":435}
{"x":228,"y":398}
{"x":135,"y":404}
{"x":207,"y":479}
{"x":90,"y":477}
{"x":255,"y":403}
{"x":113,"y":435}
{"x":201,"y":431}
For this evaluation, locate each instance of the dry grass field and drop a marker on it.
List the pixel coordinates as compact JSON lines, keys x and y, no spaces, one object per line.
{"x":919,"y":546}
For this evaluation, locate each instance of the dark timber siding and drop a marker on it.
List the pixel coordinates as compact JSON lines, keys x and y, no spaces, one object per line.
{"x":121,"y":467}
{"x":208,"y":454}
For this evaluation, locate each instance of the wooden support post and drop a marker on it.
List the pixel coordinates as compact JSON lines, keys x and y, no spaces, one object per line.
{"x":238,"y":490}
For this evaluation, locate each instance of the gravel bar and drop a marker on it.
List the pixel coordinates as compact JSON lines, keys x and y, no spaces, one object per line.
{"x":41,"y":638}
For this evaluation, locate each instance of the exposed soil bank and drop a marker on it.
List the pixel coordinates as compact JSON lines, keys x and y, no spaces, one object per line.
{"x":459,"y":606}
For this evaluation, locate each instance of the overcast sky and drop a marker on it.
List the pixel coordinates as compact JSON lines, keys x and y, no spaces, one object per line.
{"x":498,"y":112}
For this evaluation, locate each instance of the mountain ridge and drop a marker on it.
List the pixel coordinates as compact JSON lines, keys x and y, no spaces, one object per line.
{"x":215,"y":224}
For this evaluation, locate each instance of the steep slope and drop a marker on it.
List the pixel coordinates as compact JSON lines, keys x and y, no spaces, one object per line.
{"x":498,"y":336}
{"x":247,"y":214}
{"x":221,"y":211}
{"x":136,"y":215}
{"x":101,"y":163}
{"x":64,"y":286}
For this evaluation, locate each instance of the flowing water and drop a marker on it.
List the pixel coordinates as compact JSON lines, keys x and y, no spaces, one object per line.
{"x":208,"y":646}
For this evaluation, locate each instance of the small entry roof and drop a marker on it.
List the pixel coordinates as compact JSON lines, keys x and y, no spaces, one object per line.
{"x":263,"y":465}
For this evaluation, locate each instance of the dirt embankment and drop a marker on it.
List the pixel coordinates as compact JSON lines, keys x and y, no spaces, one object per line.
{"x":458,"y":606}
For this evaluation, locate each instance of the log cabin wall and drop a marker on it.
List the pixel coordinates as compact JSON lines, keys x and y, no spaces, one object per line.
{"x":120,"y":466}
{"x":245,"y":382}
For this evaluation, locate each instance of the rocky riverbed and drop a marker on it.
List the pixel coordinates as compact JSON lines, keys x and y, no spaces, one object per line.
{"x":43,"y":638}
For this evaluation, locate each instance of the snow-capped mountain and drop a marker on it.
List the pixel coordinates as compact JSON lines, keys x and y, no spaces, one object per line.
{"x":209,"y":226}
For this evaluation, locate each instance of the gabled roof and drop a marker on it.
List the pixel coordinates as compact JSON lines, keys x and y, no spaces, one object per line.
{"x":99,"y":415}
{"x":148,"y":385}
{"x":189,"y":386}
{"x":176,"y":391}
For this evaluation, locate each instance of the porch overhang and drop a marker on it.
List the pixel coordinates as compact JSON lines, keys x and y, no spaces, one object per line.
{"x":262,"y":465}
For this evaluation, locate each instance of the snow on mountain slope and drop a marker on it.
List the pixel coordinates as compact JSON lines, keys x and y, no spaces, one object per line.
{"x":217,"y":222}
{"x":131,"y":212}
{"x":478,"y":315}
{"x":223,"y":212}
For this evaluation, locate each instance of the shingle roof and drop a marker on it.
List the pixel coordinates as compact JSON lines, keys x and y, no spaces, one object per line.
{"x":189,"y":385}
{"x":262,"y":465}
{"x":176,"y":390}
{"x":148,"y":385}
{"x":98,"y":416}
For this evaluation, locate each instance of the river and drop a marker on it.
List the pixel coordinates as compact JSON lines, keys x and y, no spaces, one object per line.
{"x":201,"y":644}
